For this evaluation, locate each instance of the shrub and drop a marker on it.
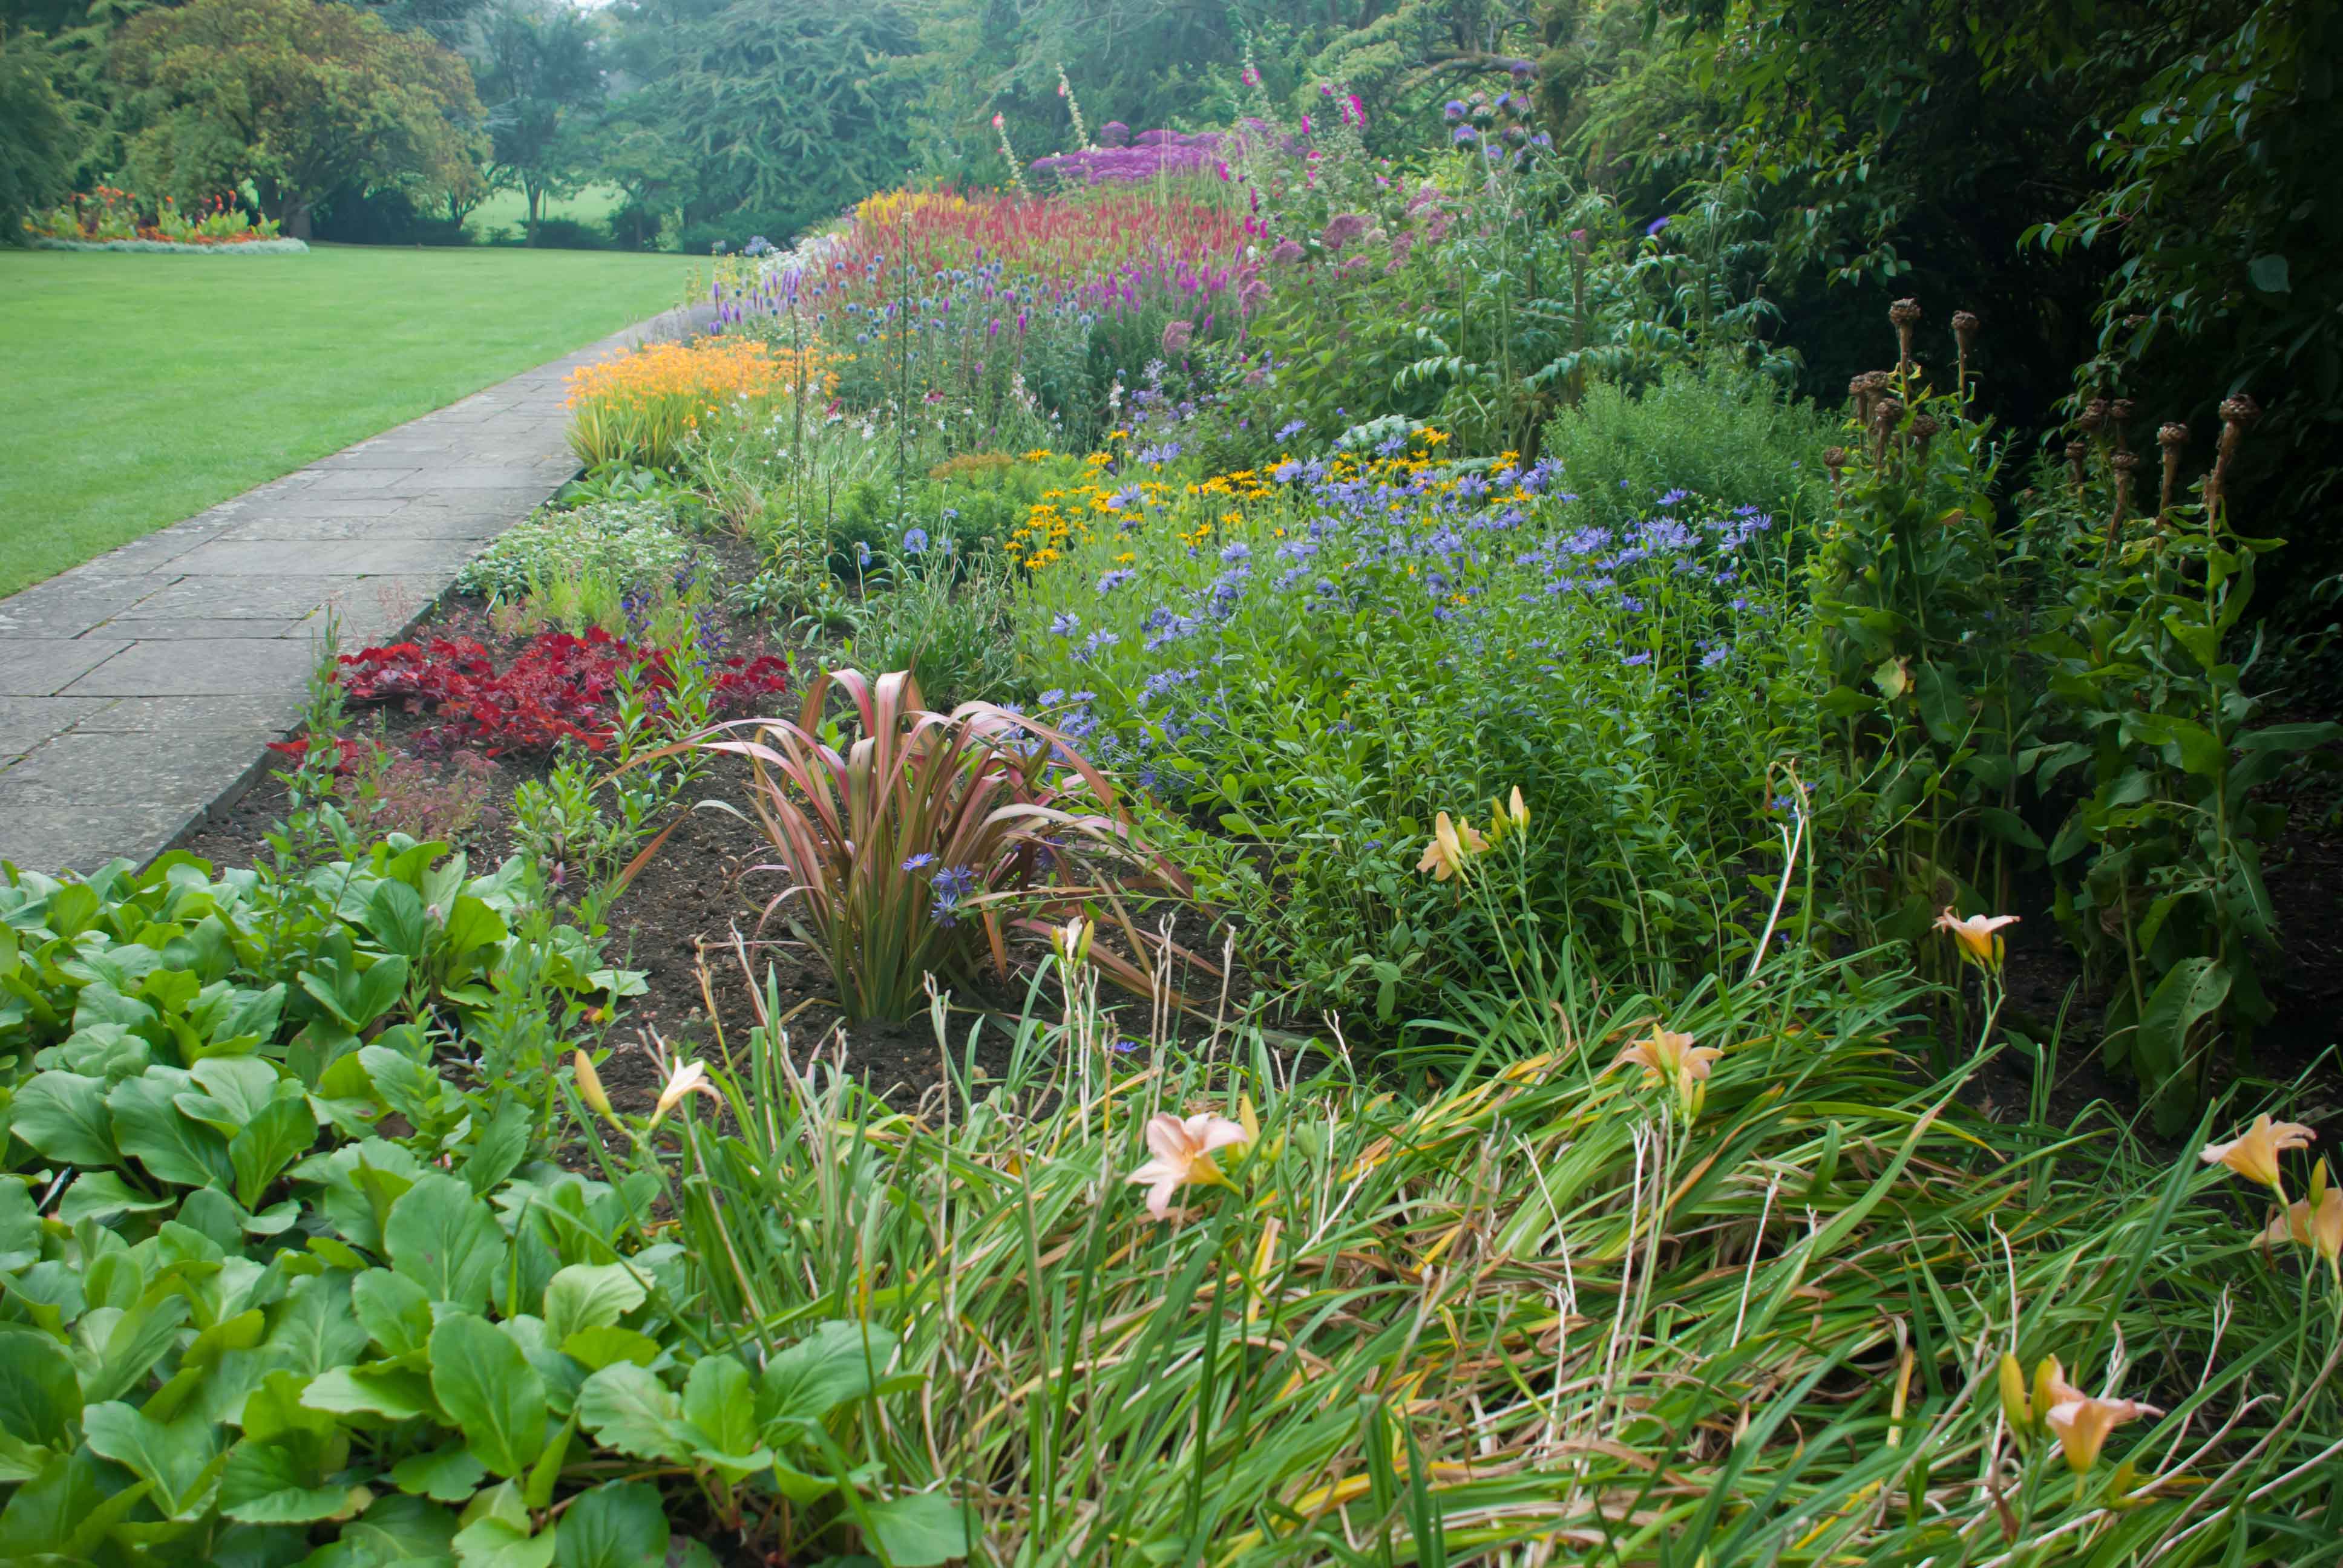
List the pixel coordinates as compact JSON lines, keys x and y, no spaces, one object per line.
{"x":568,"y":234}
{"x":1728,"y":435}
{"x":630,"y":544}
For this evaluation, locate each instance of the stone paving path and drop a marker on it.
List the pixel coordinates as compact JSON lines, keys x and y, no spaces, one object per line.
{"x":138,"y":691}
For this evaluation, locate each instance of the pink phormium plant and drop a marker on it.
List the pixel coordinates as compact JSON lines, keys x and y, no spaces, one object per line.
{"x":926,"y":833}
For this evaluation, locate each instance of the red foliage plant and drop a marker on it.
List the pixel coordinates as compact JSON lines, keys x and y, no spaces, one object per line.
{"x":557,"y":688}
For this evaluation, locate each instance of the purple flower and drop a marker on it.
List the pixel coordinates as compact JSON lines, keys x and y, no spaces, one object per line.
{"x":1287,"y":431}
{"x":1464,"y":134}
{"x":1454,"y":108}
{"x":1657,"y":225}
{"x":1065,"y":624}
{"x":1110,"y":581}
{"x":915,"y":542}
{"x":919,"y":862}
{"x":1099,"y":641}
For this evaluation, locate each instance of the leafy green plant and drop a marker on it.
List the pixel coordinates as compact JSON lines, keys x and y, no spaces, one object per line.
{"x":630,"y":543}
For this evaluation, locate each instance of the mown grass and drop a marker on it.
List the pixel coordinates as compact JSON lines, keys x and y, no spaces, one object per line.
{"x":137,"y":390}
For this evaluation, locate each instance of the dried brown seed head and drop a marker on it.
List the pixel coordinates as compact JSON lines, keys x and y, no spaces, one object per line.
{"x":1835,"y":459}
{"x":2169,"y":436}
{"x":1904,"y":312}
{"x":2240,"y":409}
{"x":1889,"y":414}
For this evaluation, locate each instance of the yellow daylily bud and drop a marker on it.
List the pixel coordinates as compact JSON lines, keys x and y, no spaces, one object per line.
{"x":590,"y":1087}
{"x":2050,"y":1379}
{"x":1247,"y":1119}
{"x":1517,"y":810}
{"x":2014,"y":1407}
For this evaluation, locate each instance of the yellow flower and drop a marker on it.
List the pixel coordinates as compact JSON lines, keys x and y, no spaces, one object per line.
{"x":1979,"y":936}
{"x":1450,"y":847}
{"x":1183,"y":1155}
{"x":1516,"y":810}
{"x":2254,"y":1153}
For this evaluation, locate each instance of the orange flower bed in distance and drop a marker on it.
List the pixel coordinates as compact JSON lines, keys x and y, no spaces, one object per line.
{"x":641,"y":407}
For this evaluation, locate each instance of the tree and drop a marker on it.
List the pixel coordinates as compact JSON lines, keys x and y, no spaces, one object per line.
{"x":299,"y":97}
{"x":787,"y":108}
{"x":37,"y":138}
{"x":542,"y":81}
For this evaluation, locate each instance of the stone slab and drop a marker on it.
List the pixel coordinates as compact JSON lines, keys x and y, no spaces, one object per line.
{"x":321,"y":559}
{"x":26,"y":722}
{"x":212,"y":667}
{"x":44,"y":667}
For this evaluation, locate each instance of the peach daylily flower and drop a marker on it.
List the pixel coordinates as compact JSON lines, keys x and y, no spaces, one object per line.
{"x":2253,"y":1154}
{"x":1664,"y":1053}
{"x":1979,"y":936}
{"x":1450,"y":847}
{"x":685,"y":1079}
{"x":2083,"y":1423}
{"x":1183,"y":1154}
{"x":2316,"y":1221}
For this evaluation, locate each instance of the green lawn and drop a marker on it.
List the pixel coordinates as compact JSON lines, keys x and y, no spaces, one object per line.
{"x":135,"y":390}
{"x":509,"y":210}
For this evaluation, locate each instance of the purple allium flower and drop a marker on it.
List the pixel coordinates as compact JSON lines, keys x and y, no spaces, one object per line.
{"x":1287,"y":252}
{"x":1177,"y":336}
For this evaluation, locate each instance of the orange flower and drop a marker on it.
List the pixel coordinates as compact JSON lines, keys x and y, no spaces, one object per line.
{"x":1450,"y":847}
{"x":2253,"y":1154}
{"x":1979,"y":936}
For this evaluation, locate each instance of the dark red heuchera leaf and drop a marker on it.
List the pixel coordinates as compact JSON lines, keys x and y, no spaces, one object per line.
{"x":348,"y":754}
{"x":557,"y":687}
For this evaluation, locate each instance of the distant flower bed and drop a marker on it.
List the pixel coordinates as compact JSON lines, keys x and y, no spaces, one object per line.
{"x":639,"y":407}
{"x":112,"y":219}
{"x":174,"y":247}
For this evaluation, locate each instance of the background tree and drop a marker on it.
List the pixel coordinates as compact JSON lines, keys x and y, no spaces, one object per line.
{"x":299,"y":97}
{"x":38,"y":141}
{"x":542,"y":80}
{"x":789,"y":110}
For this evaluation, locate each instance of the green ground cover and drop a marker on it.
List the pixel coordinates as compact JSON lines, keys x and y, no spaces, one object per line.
{"x":139,"y":389}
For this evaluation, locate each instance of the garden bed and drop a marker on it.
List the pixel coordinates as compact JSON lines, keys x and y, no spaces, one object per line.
{"x":173,"y":248}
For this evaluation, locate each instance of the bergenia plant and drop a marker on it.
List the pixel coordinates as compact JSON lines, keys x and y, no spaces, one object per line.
{"x":909,"y":852}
